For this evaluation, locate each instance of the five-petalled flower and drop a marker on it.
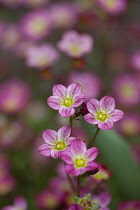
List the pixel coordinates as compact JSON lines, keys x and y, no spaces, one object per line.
{"x":78,"y":159}
{"x":56,"y":142}
{"x":66,"y":99}
{"x":103,"y":112}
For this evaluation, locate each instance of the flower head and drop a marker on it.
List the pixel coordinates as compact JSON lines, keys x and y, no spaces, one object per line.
{"x":76,"y":45}
{"x":65,"y":99}
{"x":56,"y":142}
{"x":103,"y":112}
{"x":19,"y":203}
{"x":78,"y":158}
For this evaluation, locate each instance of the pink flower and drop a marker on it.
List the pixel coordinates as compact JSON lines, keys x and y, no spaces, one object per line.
{"x":89,"y":81}
{"x":113,"y":6}
{"x":41,"y":56}
{"x":66,"y":99}
{"x":36,"y":24}
{"x":126,"y":205}
{"x":103,"y":112}
{"x":102,"y":200}
{"x":19,"y":203}
{"x":75,"y":45}
{"x":56,"y":142}
{"x":75,"y":207}
{"x":78,"y":158}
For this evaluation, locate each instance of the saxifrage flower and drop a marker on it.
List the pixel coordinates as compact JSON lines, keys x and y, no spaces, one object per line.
{"x":66,"y":99}
{"x":78,"y":159}
{"x":56,"y":142}
{"x":103,"y":112}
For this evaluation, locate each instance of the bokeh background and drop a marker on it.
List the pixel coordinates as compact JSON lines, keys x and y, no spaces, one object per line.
{"x":31,"y":62}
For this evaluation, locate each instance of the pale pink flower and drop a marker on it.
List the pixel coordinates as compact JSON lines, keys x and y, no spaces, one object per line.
{"x":19,"y":203}
{"x":79,"y":159}
{"x":113,"y":6}
{"x":41,"y":56}
{"x":102,"y":200}
{"x":36,"y":24}
{"x":66,"y":99}
{"x":103,"y":112}
{"x":76,"y":45}
{"x":56,"y":142}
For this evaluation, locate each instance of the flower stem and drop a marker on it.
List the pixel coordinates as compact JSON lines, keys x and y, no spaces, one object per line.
{"x":71,"y":183}
{"x":78,"y":186}
{"x":94,"y":137}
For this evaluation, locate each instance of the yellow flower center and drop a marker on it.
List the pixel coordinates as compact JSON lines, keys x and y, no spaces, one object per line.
{"x":85,"y":204}
{"x":68,"y":102}
{"x":111,"y":3}
{"x":101,"y":175}
{"x":80,"y":162}
{"x":101,"y":116}
{"x":60,"y":145}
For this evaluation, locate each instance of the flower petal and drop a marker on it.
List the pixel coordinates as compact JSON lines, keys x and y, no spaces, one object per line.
{"x":50,"y":136}
{"x":90,"y":119}
{"x":79,"y":99}
{"x":107,"y":125}
{"x":92,"y":153}
{"x":74,"y":89}
{"x":55,"y":153}
{"x":107,"y":103}
{"x":20,"y":203}
{"x":64,"y":132}
{"x":70,"y":139}
{"x":66,"y":157}
{"x":45,"y":150}
{"x":54,"y":102}
{"x":71,"y":170}
{"x":78,"y":147}
{"x":91,"y":166}
{"x":93,"y":105}
{"x":66,"y":112}
{"x":116,"y":115}
{"x":75,"y":207}
{"x":59,"y":90}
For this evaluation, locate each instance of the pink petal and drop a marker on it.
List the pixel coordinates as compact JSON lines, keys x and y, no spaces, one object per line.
{"x":50,"y":136}
{"x":90,"y":119}
{"x":45,"y":150}
{"x":54,"y":102}
{"x":20,"y":203}
{"x":91,"y":166}
{"x":70,"y":139}
{"x":78,"y":147}
{"x":79,"y":99}
{"x":71,"y":170}
{"x":66,"y":157}
{"x":75,"y":207}
{"x":55,"y":153}
{"x":59,"y":90}
{"x":107,"y":103}
{"x":117,"y":115}
{"x":92,"y":153}
{"x":105,"y":199}
{"x":74,"y":89}
{"x":93,"y":105}
{"x":107,"y":125}
{"x":66,"y":112}
{"x":64,"y":132}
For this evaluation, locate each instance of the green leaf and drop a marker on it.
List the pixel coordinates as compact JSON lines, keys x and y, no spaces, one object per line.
{"x":115,"y":153}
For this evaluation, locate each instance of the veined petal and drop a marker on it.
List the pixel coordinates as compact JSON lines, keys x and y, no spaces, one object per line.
{"x":78,"y":147}
{"x":55,"y":153}
{"x":66,"y":157}
{"x":93,"y":105}
{"x":92,"y":153}
{"x":54,"y":102}
{"x":70,"y":139}
{"x":71,"y":170}
{"x":50,"y":136}
{"x":107,"y":125}
{"x":90,"y":119}
{"x":45,"y":150}
{"x":66,"y":112}
{"x":74,"y":89}
{"x":64,"y":132}
{"x":79,"y":99}
{"x":107,"y":103}
{"x":91,"y":166}
{"x":59,"y":90}
{"x":117,"y":115}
